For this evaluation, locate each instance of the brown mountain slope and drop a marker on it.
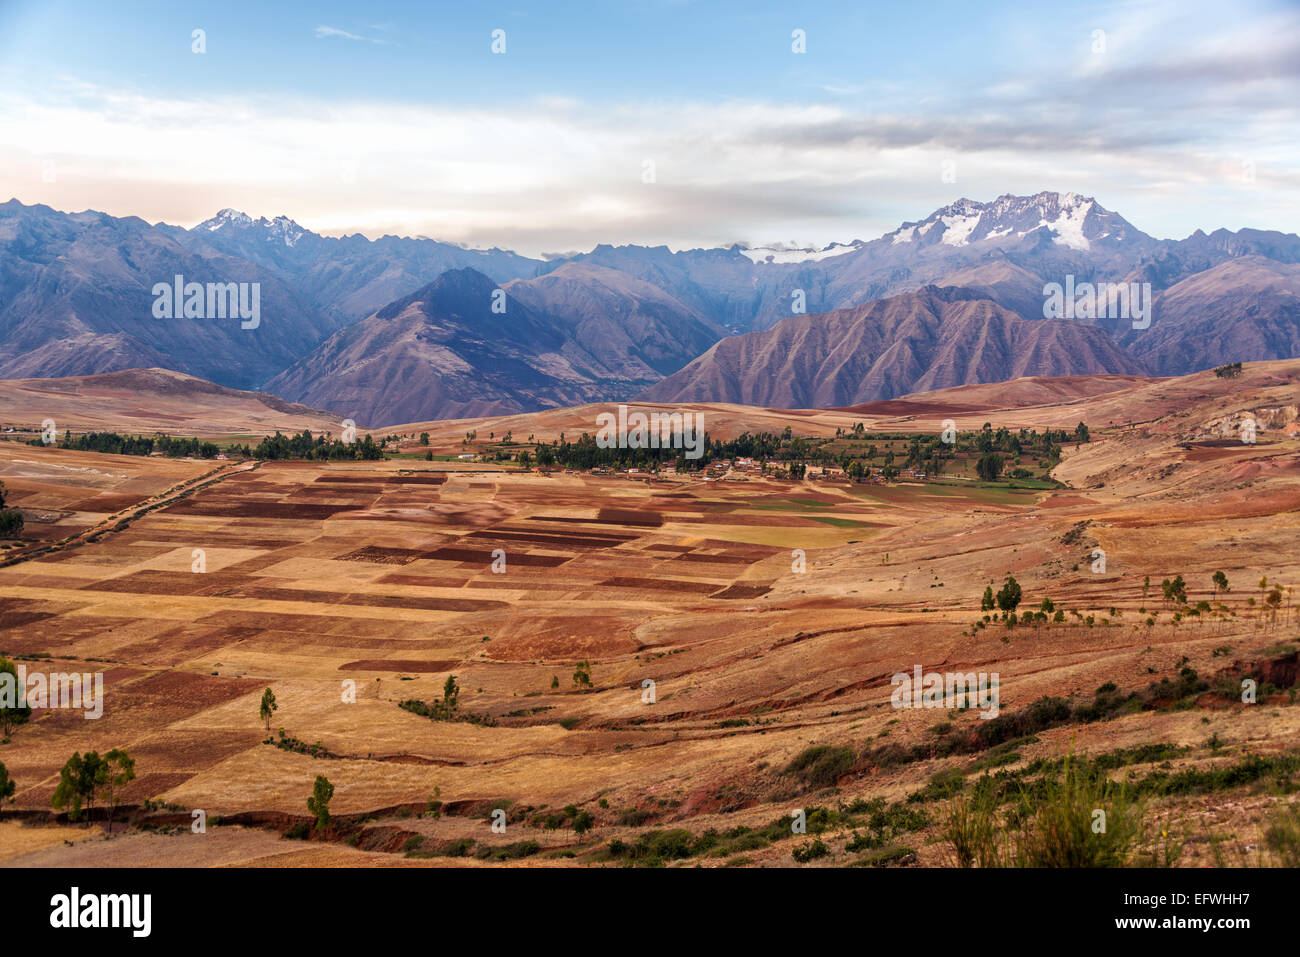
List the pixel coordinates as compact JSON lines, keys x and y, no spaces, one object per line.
{"x":152,"y":400}
{"x":1242,"y":310}
{"x":1027,"y":392}
{"x":443,"y":352}
{"x":1003,"y":281}
{"x":929,"y":339}
{"x":639,"y":331}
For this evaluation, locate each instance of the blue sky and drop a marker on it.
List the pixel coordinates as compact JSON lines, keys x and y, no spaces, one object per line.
{"x":437,"y":51}
{"x":397,"y":117}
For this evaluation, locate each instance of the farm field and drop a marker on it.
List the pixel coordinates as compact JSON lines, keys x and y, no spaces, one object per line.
{"x":649,"y":656}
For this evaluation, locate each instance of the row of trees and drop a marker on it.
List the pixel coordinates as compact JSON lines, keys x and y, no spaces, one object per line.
{"x":931,"y":455}
{"x":1174,"y":591}
{"x":114,"y":443}
{"x":927,"y":454}
{"x":84,"y":778}
{"x":301,"y":445}
{"x":586,"y":454}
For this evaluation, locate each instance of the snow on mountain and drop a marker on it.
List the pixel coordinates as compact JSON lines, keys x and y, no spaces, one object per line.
{"x":281,"y":229}
{"x":284,"y":229}
{"x":1068,"y":226}
{"x":957,"y":229}
{"x":782,"y":255}
{"x":1074,"y":221}
{"x":226,"y":217}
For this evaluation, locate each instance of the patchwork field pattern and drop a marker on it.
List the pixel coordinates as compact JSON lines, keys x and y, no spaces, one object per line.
{"x":767,"y":617}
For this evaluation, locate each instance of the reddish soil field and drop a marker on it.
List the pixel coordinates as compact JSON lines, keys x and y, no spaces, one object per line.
{"x":723,"y":629}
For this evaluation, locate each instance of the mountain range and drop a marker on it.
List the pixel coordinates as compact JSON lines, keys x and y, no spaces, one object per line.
{"x":400,"y":328}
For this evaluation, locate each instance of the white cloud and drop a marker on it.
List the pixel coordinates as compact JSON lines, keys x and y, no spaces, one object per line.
{"x":323,"y":32}
{"x":556,"y":173}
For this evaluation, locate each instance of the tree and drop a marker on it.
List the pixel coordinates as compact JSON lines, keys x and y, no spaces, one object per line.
{"x":1220,"y":582}
{"x":989,"y":466}
{"x":1008,"y":596}
{"x":1175,"y":590}
{"x":269,"y":707}
{"x":11,"y":715}
{"x":582,"y":674}
{"x":424,"y":438}
{"x":319,"y":802}
{"x":450,"y":693}
{"x":1274,"y":600}
{"x":79,"y":779}
{"x":986,"y":603}
{"x":7,"y":786}
{"x":1081,"y":433}
{"x":1047,"y":606}
{"x":119,"y":772}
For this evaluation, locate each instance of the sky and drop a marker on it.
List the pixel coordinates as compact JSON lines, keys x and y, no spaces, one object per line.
{"x":690,"y":124}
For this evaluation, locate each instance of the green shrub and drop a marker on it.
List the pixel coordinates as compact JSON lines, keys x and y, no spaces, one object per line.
{"x":299,"y":831}
{"x":821,"y":765}
{"x":885,"y":856}
{"x":810,"y":852}
{"x":509,"y":852}
{"x":657,"y":846}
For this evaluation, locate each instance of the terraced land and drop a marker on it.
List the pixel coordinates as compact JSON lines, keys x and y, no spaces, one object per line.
{"x":727,"y":627}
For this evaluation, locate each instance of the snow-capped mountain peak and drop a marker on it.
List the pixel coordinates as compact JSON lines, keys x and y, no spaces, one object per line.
{"x":281,"y":229}
{"x":226,"y":217}
{"x":1072,"y":220}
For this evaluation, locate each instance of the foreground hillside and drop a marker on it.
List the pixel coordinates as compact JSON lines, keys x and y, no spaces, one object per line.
{"x":769,"y":678}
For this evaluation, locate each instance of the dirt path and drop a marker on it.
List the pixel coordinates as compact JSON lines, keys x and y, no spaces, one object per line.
{"x":110,"y":523}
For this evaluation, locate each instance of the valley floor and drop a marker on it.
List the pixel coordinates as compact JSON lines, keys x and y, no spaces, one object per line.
{"x":727,"y":627}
